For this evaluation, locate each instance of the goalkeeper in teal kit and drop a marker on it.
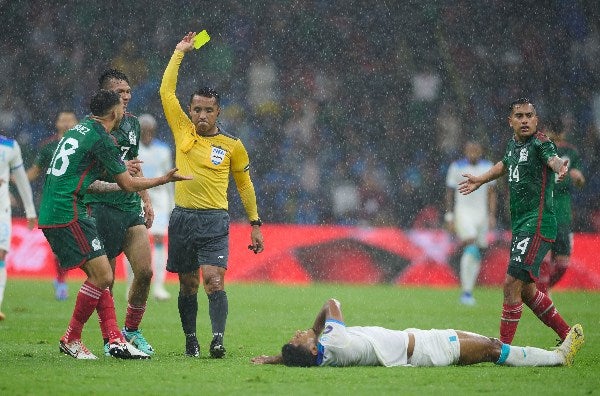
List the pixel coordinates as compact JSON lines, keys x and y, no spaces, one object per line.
{"x":532,"y":166}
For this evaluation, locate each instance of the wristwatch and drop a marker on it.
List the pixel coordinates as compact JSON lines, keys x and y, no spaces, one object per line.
{"x":257,"y":222}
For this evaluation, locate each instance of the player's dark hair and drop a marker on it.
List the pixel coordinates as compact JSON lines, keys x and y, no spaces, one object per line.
{"x":297,"y":356}
{"x":103,"y":101}
{"x":207,"y":93}
{"x":111,"y":74}
{"x":519,"y":102}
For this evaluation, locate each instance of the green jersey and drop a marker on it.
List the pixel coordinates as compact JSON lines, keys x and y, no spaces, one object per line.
{"x":82,"y":155}
{"x":46,"y":151}
{"x":562,"y":190}
{"x":531,"y":183}
{"x":128,"y":140}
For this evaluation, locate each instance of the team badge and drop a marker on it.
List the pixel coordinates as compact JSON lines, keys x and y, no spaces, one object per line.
{"x":523,"y":155}
{"x":96,"y":245}
{"x":217,"y":155}
{"x":132,"y":137}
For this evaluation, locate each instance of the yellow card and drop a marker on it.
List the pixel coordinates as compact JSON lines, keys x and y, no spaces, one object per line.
{"x":201,"y":39}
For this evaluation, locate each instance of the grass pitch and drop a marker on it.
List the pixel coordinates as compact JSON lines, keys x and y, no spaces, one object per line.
{"x":261,"y":318}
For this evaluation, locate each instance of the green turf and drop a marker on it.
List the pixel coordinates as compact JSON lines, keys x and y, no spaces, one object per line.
{"x":261,"y":319}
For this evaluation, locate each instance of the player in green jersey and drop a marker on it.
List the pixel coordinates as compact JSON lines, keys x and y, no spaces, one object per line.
{"x":121,"y":222}
{"x":85,"y":152}
{"x":532,"y":165}
{"x":555,"y":267}
{"x":65,"y":120}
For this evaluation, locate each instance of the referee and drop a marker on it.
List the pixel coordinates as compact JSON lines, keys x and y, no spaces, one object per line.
{"x":199,"y":224}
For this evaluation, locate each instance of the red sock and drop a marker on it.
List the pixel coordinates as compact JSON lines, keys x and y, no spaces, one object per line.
{"x":134,"y":316}
{"x":107,"y":318}
{"x":61,"y":273}
{"x":85,"y":304}
{"x":511,"y":314}
{"x":543,"y":307}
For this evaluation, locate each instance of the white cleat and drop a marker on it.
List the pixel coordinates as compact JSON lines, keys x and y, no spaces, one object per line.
{"x":124,"y":350}
{"x":76,"y":349}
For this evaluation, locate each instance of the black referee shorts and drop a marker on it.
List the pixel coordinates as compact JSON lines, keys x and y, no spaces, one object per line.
{"x":197,"y":237}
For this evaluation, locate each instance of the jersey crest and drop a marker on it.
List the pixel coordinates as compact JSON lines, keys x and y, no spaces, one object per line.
{"x":523,"y":154}
{"x":96,"y":245}
{"x":217,"y":155}
{"x":132,"y":137}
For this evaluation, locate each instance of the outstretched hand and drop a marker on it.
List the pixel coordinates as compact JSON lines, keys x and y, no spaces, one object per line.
{"x":173,"y":176}
{"x":468,"y":185}
{"x":187,"y":42}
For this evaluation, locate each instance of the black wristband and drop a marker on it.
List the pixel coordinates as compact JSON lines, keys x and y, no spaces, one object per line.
{"x":256,"y":222}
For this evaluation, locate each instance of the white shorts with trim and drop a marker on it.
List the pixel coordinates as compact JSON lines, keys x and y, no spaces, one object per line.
{"x":435,"y":348}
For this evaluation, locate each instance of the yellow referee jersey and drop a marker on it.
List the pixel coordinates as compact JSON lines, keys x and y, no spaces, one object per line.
{"x":209,"y":159}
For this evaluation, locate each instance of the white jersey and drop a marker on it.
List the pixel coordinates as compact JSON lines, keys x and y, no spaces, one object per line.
{"x":157,"y":160}
{"x":471,"y":212}
{"x":476,"y":203}
{"x":11,"y":162}
{"x":361,"y":346}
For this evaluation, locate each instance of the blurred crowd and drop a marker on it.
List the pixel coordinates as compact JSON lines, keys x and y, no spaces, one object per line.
{"x":351,"y":112}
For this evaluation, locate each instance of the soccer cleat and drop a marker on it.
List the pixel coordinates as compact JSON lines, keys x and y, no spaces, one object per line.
{"x":192,"y":348}
{"x":124,"y":350}
{"x":467,"y":299}
{"x":136,"y":339}
{"x":161,"y":294}
{"x":61,"y":290}
{"x":217,"y":350}
{"x":2,"y":316}
{"x":572,"y":344}
{"x":75,"y":349}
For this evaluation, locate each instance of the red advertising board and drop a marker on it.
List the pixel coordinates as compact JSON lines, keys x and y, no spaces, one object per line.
{"x":298,"y":254}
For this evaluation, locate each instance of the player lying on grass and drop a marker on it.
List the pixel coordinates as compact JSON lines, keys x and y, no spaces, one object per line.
{"x":330,"y":343}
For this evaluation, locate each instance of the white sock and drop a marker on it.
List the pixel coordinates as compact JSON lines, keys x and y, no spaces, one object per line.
{"x":160,"y":265}
{"x":2,"y":282}
{"x":470,"y":263}
{"x":531,"y":356}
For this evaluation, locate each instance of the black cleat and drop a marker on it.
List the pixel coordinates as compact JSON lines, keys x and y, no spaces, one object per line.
{"x":192,"y":349}
{"x":217,"y":350}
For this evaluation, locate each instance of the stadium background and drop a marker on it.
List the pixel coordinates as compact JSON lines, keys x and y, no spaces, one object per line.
{"x":351,"y":114}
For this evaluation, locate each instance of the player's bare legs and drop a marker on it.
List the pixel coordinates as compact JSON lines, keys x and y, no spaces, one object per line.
{"x":475,"y":348}
{"x":517,"y":292}
{"x":138,"y":252}
{"x":137,"y":249}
